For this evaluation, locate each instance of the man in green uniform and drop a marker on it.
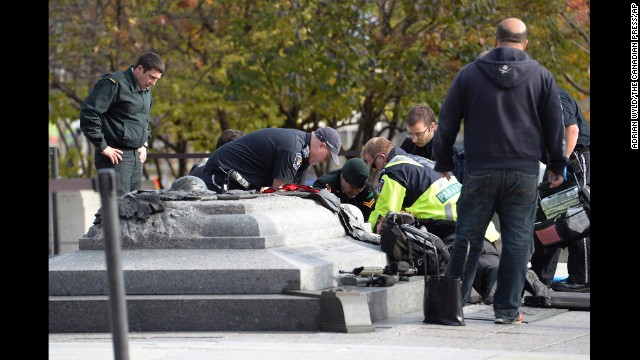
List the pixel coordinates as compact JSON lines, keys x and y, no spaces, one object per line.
{"x":115,"y":119}
{"x":350,"y":185}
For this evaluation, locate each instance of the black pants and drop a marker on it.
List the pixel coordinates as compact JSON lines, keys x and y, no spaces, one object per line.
{"x":487,"y":270}
{"x":441,"y":228}
{"x":579,"y":167}
{"x":544,"y":261}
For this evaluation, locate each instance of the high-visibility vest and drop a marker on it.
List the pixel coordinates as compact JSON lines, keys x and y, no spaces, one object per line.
{"x":406,"y":185}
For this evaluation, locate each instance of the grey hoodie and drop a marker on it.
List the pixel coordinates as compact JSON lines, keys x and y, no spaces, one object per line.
{"x":511,"y":111}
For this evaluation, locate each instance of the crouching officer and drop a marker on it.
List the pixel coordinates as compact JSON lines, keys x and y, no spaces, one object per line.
{"x":408,"y":185}
{"x":268,"y":157}
{"x":350,"y":185}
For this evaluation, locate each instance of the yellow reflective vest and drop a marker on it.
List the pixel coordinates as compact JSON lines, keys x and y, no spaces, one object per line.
{"x":406,"y":185}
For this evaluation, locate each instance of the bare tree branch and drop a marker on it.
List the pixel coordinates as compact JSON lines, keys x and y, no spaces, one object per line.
{"x":578,"y":87}
{"x":582,"y":33}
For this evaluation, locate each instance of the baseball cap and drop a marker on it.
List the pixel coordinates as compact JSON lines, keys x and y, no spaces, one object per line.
{"x":330,"y":137}
{"x":356,"y":172}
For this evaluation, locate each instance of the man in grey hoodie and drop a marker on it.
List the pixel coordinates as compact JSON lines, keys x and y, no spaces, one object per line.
{"x":512,"y":113}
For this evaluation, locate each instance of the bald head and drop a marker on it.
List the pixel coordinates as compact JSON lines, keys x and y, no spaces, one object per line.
{"x":511,"y":32}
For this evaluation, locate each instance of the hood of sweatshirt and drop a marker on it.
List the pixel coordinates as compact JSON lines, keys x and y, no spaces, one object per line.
{"x":506,"y":67}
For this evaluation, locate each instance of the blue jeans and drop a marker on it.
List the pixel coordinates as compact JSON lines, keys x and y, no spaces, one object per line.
{"x":512,"y":194}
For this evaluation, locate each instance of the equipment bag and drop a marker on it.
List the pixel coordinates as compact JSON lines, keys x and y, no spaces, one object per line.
{"x":563,"y":214}
{"x":402,"y":241}
{"x":570,"y":226}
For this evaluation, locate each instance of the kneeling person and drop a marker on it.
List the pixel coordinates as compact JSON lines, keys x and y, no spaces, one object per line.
{"x":269,"y":157}
{"x":350,"y":185}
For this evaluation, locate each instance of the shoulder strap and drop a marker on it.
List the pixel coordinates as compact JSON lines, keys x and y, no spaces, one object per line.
{"x":115,"y":77}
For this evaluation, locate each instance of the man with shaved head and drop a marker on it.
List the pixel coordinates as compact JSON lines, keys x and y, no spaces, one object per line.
{"x":512,"y":115}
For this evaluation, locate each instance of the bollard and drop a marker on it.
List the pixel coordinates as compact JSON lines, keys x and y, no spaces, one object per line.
{"x":106,"y":184}
{"x":54,"y":237}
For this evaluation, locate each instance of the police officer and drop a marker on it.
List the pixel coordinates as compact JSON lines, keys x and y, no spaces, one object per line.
{"x":268,"y":157}
{"x":350,"y":185}
{"x":228,"y":136}
{"x":407,"y":185}
{"x":544,"y":261}
{"x":115,"y":118}
{"x":577,"y":138}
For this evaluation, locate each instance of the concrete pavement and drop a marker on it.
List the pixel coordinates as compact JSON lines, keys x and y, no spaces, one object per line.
{"x":547,"y":334}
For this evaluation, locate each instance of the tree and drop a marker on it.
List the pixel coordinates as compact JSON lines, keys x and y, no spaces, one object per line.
{"x":250,"y":64}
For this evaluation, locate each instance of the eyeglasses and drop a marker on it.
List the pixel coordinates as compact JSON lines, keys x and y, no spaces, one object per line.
{"x":417,"y":135}
{"x":373,"y":163}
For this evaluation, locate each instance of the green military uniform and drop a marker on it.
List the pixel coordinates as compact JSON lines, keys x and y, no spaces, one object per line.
{"x":365,"y":200}
{"x":117,"y":114}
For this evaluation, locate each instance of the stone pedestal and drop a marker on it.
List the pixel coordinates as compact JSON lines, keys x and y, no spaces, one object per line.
{"x":198,"y":257}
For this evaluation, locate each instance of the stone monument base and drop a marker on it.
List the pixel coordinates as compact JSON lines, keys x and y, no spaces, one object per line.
{"x":255,"y":264}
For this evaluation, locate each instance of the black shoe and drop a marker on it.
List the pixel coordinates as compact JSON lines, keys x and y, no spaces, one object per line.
{"x":488,"y":298}
{"x":534,"y":286}
{"x":569,"y":286}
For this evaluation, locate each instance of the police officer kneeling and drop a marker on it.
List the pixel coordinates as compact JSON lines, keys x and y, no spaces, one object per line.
{"x":268,"y":157}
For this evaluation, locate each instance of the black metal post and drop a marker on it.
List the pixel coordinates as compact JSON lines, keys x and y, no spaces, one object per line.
{"x":54,"y":233}
{"x":110,"y":224}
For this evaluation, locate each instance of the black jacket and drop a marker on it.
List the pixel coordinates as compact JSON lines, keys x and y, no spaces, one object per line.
{"x":411,"y":148}
{"x":511,"y":111}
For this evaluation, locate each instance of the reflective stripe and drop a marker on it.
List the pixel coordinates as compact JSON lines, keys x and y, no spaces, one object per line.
{"x":448,"y":211}
{"x":585,"y":249}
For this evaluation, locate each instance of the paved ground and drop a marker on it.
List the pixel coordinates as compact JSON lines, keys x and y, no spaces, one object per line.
{"x":549,"y":334}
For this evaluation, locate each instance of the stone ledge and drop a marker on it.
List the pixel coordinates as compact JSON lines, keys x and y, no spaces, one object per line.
{"x":311,"y":266}
{"x":256,"y":223}
{"x":164,"y":313}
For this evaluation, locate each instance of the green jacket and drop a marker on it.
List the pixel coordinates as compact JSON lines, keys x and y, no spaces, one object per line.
{"x":117,"y":112}
{"x":365,"y":200}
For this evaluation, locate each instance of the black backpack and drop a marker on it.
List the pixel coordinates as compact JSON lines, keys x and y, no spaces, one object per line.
{"x":401,"y":240}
